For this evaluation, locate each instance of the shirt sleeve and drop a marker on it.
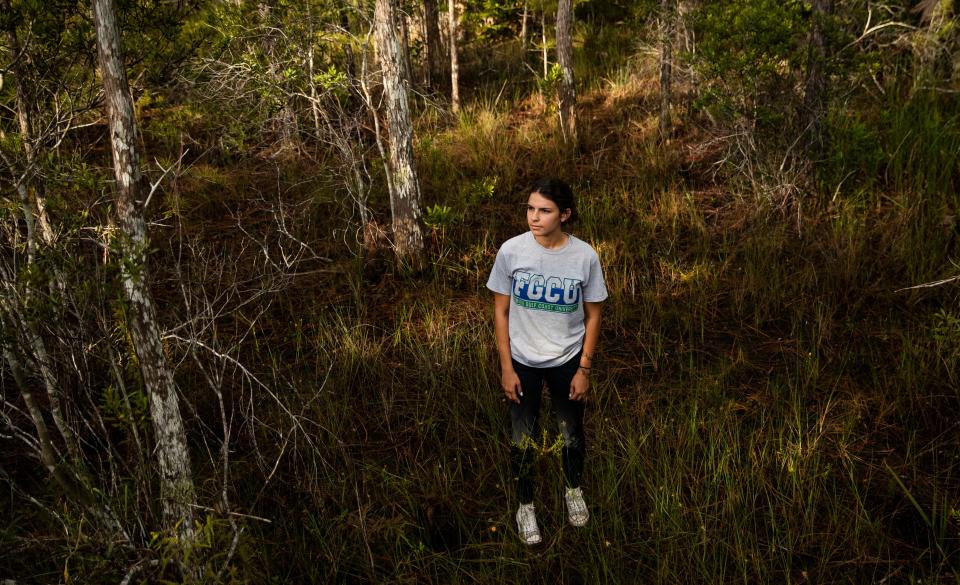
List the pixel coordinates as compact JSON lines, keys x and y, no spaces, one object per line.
{"x":594,"y":289}
{"x":501,"y":277}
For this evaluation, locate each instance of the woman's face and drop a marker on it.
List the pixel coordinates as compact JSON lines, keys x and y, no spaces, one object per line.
{"x":543,"y":215}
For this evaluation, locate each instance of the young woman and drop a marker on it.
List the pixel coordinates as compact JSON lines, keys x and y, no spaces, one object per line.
{"x":548,"y":288}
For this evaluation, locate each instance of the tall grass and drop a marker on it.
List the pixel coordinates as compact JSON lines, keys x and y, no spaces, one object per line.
{"x":758,"y":417}
{"x":766,"y":408}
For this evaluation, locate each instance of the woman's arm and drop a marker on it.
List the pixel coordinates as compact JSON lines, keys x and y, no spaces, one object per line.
{"x":591,"y":323}
{"x":509,"y":380}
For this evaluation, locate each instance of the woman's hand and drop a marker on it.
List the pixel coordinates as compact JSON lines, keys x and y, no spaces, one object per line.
{"x":510,"y":382}
{"x":579,"y":385}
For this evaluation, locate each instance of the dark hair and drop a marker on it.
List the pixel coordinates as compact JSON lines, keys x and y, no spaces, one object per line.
{"x":558,"y":191}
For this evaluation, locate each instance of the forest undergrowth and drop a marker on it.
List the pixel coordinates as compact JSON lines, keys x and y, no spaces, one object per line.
{"x":772,"y":401}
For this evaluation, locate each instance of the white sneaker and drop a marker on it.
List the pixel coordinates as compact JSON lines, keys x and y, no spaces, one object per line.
{"x":527,"y":524}
{"x":577,"y":513}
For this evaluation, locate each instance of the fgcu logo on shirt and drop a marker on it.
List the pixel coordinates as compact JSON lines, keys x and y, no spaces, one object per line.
{"x":546,"y":293}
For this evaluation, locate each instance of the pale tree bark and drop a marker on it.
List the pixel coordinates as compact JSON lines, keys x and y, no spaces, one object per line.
{"x":405,"y":191}
{"x":454,"y":65}
{"x":543,"y":43}
{"x":567,"y":88}
{"x":405,"y":43}
{"x":431,"y":31}
{"x":815,"y":93}
{"x":173,"y":458}
{"x":314,"y":100}
{"x":666,"y":64}
{"x":523,"y":24}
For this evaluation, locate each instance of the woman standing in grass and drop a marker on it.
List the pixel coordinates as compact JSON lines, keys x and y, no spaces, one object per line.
{"x":548,"y":288}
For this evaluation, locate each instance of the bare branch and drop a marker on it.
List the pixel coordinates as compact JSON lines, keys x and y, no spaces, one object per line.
{"x":930,"y":284}
{"x":167,"y":170}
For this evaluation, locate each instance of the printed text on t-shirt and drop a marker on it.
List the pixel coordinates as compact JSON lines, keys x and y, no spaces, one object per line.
{"x":546,"y":293}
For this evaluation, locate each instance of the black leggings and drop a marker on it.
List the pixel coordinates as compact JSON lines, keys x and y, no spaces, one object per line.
{"x":525,"y":429}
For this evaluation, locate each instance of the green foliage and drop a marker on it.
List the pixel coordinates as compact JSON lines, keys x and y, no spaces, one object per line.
{"x":749,"y":54}
{"x":254,"y":77}
{"x":11,"y":144}
{"x":492,"y":19}
{"x":612,"y":12}
{"x":907,"y":146}
{"x":159,"y":37}
{"x":482,"y":190}
{"x":548,"y":85}
{"x":608,"y":50}
{"x":122,"y":411}
{"x":57,"y":67}
{"x":212,"y":535}
{"x":333,"y":81}
{"x":857,"y":154}
{"x":945,"y":331}
{"x":73,"y":173}
{"x":439,"y":216}
{"x":921,"y":139}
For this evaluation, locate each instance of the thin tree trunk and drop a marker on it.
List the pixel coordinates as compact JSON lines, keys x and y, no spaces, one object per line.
{"x":74,"y":486}
{"x":22,"y":100}
{"x":666,"y":64}
{"x":54,"y":394}
{"x":34,"y":213}
{"x":454,"y":65}
{"x":543,"y":41}
{"x":567,"y":88}
{"x":48,"y":453}
{"x":405,"y":195}
{"x":431,"y":26}
{"x":24,"y":103}
{"x":815,"y":91}
{"x":173,"y":457}
{"x":314,"y":98}
{"x":523,"y":25}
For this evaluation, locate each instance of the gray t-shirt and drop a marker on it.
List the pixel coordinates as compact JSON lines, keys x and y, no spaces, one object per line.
{"x":547,"y":289}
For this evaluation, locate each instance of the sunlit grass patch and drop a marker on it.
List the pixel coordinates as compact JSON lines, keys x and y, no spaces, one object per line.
{"x":443,"y":327}
{"x":677,"y":274}
{"x":488,"y":143}
{"x":348,"y":339}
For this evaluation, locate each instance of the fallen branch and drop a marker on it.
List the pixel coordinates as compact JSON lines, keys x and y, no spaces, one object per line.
{"x":930,"y":284}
